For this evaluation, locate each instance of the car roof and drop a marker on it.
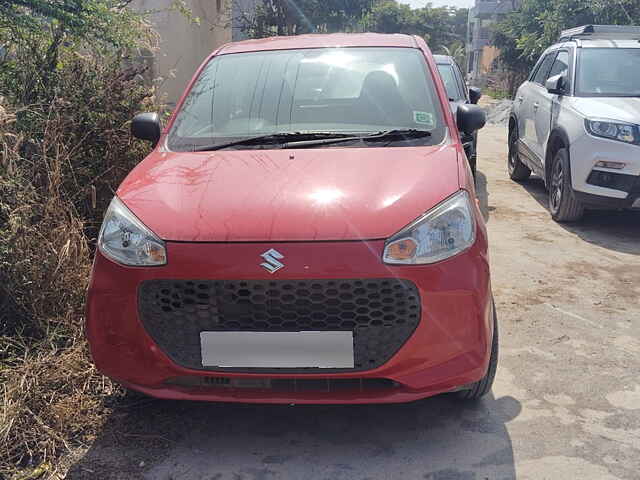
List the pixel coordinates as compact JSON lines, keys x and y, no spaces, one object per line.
{"x":321,"y":41}
{"x":443,"y":59}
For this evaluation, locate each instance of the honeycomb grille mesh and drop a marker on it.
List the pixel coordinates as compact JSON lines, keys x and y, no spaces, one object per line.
{"x":382,"y":313}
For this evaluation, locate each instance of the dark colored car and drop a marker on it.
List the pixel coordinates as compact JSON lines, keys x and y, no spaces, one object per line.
{"x":460,"y":94}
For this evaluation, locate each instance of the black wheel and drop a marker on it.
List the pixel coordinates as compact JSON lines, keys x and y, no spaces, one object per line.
{"x":518,"y":171}
{"x":563,"y":204}
{"x":483,"y":386}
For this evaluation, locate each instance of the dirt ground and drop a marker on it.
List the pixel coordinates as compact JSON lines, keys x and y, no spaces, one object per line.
{"x":566,"y":403}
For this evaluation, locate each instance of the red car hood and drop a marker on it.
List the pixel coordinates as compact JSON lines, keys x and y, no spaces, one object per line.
{"x":288,"y":195}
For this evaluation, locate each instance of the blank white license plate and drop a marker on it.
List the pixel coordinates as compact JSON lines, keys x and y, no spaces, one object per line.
{"x":277,"y":349}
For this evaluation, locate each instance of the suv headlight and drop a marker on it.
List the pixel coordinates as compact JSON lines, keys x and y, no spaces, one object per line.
{"x":624,"y":132}
{"x":126,"y":240}
{"x":446,"y":230}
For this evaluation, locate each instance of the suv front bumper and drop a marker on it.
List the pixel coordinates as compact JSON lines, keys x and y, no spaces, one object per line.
{"x":620,"y":187}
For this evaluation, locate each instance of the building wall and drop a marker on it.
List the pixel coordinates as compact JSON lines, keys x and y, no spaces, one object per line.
{"x":489,"y":54}
{"x":183,"y":44}
{"x":480,"y":52}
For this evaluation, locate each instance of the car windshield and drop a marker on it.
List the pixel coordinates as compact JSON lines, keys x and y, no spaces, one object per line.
{"x":609,"y":72}
{"x":331,"y":90}
{"x":449,"y":79}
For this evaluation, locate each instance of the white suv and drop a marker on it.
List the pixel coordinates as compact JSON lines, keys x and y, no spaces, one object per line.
{"x":576,"y":121}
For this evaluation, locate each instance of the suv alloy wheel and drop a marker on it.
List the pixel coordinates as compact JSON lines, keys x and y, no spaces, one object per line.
{"x":563,"y":205}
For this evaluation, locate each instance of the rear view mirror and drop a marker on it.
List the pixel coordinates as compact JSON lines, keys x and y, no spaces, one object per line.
{"x":474,"y":95}
{"x":470,"y":118}
{"x":146,"y":126}
{"x":556,"y":84}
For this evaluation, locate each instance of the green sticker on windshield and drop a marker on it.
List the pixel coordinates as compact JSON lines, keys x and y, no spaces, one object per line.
{"x":423,"y":118}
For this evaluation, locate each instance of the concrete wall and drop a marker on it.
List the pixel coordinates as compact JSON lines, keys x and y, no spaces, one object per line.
{"x":184,"y":45}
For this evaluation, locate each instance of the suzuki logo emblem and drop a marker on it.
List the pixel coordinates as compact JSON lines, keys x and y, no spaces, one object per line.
{"x":271,"y":264}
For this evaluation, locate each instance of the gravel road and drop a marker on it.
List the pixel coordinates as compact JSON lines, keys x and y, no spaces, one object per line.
{"x":566,"y":404}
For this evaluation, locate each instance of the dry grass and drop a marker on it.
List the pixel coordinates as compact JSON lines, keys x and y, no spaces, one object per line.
{"x":59,"y":165}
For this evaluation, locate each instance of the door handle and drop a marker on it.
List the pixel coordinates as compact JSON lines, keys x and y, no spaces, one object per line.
{"x":536,"y":106}
{"x":521,"y":99}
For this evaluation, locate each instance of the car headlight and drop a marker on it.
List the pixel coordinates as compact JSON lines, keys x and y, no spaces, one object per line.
{"x":624,"y":132}
{"x":445,"y":231}
{"x":126,"y":240}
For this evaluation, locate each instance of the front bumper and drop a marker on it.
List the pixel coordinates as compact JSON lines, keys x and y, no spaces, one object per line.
{"x":449,"y":349}
{"x":586,"y":152}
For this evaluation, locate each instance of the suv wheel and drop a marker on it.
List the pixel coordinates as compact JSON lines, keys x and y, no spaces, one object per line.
{"x":483,"y":386}
{"x":563,"y":204}
{"x":518,"y":171}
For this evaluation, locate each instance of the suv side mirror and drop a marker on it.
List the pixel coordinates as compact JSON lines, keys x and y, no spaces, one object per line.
{"x":146,"y":126}
{"x":470,"y":118}
{"x":556,"y":84}
{"x":474,"y":95}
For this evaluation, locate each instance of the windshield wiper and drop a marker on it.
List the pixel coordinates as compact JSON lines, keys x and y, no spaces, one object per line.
{"x":371,"y":137}
{"x":273,"y":138}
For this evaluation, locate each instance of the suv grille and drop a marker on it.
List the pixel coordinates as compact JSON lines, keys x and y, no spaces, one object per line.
{"x":382,"y":313}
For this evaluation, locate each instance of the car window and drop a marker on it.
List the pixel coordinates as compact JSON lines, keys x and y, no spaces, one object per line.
{"x":461,"y":83}
{"x":450,"y":83}
{"x":560,"y":65}
{"x":543,"y":71}
{"x":331,"y":89}
{"x":612,"y":72}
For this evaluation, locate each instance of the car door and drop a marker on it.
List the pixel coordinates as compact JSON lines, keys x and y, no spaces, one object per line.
{"x":530,"y":104}
{"x":545,"y":103}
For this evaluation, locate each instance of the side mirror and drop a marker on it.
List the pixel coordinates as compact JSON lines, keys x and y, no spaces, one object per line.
{"x":556,"y":84}
{"x":470,"y":118}
{"x":146,"y":126}
{"x":475,"y":94}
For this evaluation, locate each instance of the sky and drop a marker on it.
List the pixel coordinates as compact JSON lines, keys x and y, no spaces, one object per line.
{"x":438,"y":3}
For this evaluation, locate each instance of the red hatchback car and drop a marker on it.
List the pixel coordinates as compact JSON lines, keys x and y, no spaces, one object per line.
{"x":305,"y":231}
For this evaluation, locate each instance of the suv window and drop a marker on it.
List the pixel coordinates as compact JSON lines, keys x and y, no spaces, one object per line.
{"x":561,"y":65}
{"x":608,"y":72}
{"x":543,"y":70}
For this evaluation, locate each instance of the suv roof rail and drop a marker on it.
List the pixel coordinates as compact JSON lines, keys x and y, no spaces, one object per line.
{"x":601,"y":31}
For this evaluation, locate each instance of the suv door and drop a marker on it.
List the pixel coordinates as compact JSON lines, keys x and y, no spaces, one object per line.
{"x":545,"y":103}
{"x":528,"y":99}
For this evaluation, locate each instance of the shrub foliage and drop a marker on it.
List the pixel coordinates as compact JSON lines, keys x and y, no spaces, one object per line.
{"x":69,"y":85}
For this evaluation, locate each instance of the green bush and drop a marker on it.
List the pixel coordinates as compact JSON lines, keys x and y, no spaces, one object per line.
{"x":70,"y":83}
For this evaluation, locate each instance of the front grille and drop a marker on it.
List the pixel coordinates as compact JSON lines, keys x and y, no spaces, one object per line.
{"x":381,"y":313}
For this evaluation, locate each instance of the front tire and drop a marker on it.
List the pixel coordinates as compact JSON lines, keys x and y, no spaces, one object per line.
{"x":483,"y":386}
{"x":518,"y":171}
{"x":473,"y":162}
{"x":563,"y":204}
